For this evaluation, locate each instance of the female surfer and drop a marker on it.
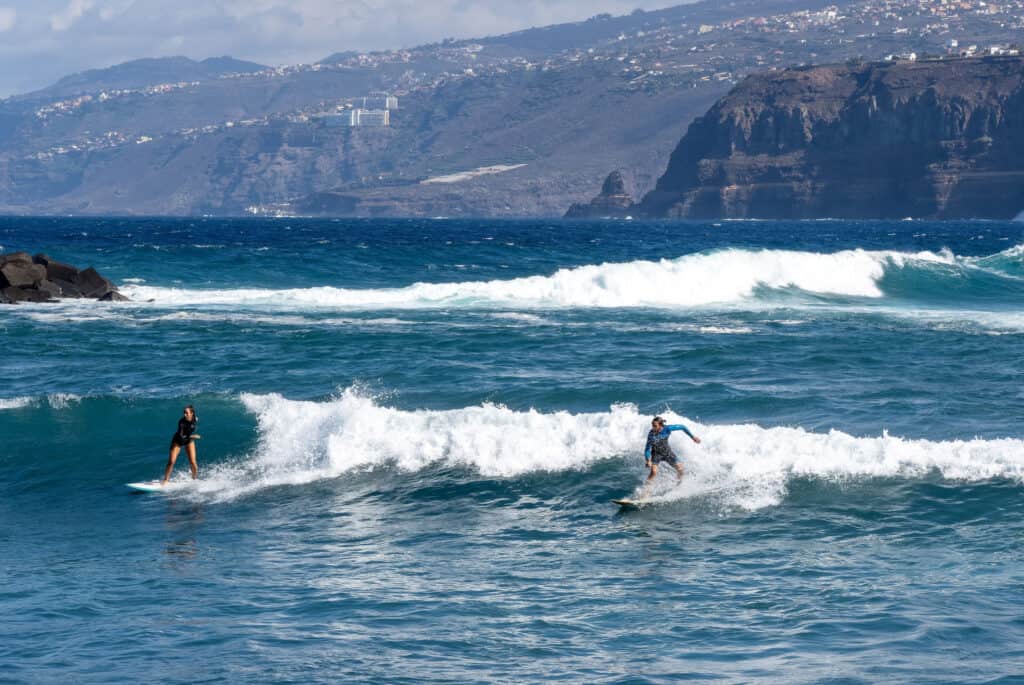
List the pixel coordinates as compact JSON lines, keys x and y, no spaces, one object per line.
{"x":185,"y":437}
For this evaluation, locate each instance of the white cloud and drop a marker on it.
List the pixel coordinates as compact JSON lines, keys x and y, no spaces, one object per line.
{"x":8,"y":16}
{"x":67,"y":18}
{"x":111,"y":9}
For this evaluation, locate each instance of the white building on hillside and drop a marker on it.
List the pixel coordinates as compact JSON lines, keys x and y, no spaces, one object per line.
{"x":380,"y":102}
{"x":369,"y":117}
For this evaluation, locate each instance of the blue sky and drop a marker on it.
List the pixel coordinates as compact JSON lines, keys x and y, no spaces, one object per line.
{"x":42,"y":40}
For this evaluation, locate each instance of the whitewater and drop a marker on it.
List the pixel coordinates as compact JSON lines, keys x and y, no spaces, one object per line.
{"x":714,"y":277}
{"x":412,"y":432}
{"x":747,"y":466}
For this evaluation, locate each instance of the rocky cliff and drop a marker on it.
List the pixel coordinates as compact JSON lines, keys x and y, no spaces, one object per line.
{"x":935,"y":138}
{"x":615,"y":200}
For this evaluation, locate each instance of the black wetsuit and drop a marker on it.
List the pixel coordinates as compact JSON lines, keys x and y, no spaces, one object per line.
{"x":658,"y":449}
{"x":185,"y":430}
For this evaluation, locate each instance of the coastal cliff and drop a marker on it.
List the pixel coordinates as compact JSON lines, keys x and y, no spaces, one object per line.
{"x":936,"y":139}
{"x":615,"y":200}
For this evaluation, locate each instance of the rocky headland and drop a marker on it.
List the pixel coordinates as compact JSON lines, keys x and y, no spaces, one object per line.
{"x":24,"y":278}
{"x":938,"y":139}
{"x":615,"y":200}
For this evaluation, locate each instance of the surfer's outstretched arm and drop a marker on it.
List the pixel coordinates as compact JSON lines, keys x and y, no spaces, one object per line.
{"x":681,"y":427}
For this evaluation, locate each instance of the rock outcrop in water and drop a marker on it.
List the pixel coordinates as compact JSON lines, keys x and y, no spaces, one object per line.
{"x":936,"y":139}
{"x":615,"y":200}
{"x":24,"y":278}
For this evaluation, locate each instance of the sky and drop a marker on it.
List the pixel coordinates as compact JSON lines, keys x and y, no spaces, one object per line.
{"x":43,"y":40}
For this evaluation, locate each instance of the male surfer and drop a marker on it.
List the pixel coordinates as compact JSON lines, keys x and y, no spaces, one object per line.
{"x":658,"y":449}
{"x":185,"y":437}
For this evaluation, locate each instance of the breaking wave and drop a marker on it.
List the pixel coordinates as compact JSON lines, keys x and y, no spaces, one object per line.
{"x":16,"y":402}
{"x":57,"y":400}
{"x":746,"y":465}
{"x":716,"y":277}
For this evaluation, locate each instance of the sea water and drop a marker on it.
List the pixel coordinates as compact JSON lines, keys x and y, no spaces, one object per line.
{"x":411,"y":431}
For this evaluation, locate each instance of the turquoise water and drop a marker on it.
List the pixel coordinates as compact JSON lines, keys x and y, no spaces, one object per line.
{"x":412,"y":431}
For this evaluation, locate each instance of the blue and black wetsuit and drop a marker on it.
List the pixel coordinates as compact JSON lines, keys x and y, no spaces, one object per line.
{"x":658,"y":449}
{"x":185,"y":430}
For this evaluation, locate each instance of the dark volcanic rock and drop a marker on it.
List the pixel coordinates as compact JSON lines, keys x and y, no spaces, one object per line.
{"x":24,"y":278}
{"x":614,"y":185}
{"x":56,"y":270}
{"x":12,"y":295}
{"x":614,"y":200}
{"x":50,"y":288}
{"x":68,"y":288}
{"x":91,"y":284}
{"x":17,"y":270}
{"x":937,"y":139}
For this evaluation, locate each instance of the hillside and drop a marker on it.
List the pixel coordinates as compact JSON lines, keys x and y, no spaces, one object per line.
{"x":144,"y":72}
{"x":935,"y":139}
{"x":521,"y":124}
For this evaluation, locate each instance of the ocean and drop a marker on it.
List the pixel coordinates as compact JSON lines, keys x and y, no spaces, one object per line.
{"x":412,"y":431}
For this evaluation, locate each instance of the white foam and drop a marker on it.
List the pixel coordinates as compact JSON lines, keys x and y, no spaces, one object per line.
{"x":754,"y":464}
{"x":57,"y":400}
{"x":56,"y":314}
{"x":76,"y":311}
{"x":725,"y":330}
{"x":1006,"y":264}
{"x":745,"y":465}
{"x":1015,"y":252}
{"x":693,"y":280}
{"x":62,"y":400}
{"x":522,"y":317}
{"x":671,"y":327}
{"x":16,"y":403}
{"x":961,"y":320}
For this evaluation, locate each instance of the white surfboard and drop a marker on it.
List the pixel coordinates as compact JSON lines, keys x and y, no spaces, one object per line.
{"x":687,"y":491}
{"x":147,"y":486}
{"x":630,"y":503}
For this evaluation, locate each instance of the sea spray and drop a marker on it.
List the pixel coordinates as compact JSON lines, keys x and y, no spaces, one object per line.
{"x":718,"y":276}
{"x":57,"y":401}
{"x":16,"y":402}
{"x":305,"y":441}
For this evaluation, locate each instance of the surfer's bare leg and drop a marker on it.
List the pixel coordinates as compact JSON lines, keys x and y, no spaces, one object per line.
{"x":650,"y":477}
{"x":679,"y":471}
{"x":171,"y":458}
{"x":191,"y":448}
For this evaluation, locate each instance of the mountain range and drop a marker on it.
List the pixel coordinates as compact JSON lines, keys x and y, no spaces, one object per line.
{"x":521,"y":124}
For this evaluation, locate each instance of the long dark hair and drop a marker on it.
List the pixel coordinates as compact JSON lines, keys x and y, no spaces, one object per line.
{"x":195,"y":417}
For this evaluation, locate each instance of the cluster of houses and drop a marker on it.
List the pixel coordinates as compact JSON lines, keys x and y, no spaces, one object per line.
{"x":73,"y":104}
{"x":666,"y":54}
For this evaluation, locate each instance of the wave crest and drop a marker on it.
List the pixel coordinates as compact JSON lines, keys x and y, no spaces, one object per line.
{"x":57,"y":400}
{"x":749,"y":465}
{"x":720,"y":276}
{"x":306,"y":439}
